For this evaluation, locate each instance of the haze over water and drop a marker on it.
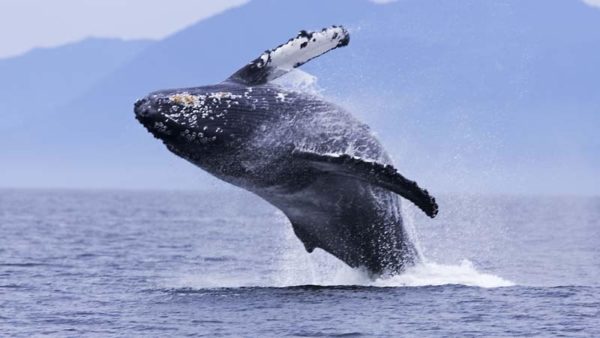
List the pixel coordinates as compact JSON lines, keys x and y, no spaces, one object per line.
{"x":117,"y":263}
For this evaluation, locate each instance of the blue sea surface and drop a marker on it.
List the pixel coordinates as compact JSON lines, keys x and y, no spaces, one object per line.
{"x":158,"y":263}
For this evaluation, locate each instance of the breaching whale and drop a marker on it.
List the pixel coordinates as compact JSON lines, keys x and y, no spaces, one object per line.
{"x":310,"y":158}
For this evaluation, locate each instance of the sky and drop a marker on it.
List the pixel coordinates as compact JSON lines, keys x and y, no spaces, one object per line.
{"x":45,"y":23}
{"x":592,"y":2}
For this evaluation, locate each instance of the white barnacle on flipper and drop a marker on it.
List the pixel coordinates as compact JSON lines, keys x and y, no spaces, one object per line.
{"x":264,"y":59}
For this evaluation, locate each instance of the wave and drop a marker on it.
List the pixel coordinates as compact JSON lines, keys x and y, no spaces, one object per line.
{"x":433,"y":274}
{"x":291,"y":266}
{"x":424,"y":274}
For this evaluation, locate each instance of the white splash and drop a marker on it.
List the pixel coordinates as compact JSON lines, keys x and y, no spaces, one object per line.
{"x":299,"y":80}
{"x":320,"y":268}
{"x":430,"y":273}
{"x":292,"y":266}
{"x":424,"y":274}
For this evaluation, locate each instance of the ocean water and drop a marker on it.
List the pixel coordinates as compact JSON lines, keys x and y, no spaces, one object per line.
{"x":155,"y":264}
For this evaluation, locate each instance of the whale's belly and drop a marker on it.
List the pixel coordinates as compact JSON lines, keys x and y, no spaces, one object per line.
{"x":354,"y":221}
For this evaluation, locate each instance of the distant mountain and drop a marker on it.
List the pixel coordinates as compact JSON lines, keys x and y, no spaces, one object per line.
{"x":44,"y":79}
{"x":467,"y":95}
{"x":32,"y":88}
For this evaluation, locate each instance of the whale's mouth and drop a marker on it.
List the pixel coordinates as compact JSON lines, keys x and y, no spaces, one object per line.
{"x":150,"y":112}
{"x":146,"y":109}
{"x":155,"y":122}
{"x":158,"y":129}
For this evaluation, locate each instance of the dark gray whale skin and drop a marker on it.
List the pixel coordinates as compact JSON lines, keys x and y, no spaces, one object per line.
{"x":311,"y":159}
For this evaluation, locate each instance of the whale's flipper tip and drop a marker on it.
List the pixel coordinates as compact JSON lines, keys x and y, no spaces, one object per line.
{"x":385,"y":176}
{"x":294,"y":53}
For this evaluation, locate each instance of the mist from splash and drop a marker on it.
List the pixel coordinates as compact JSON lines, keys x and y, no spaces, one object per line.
{"x":291,"y":265}
{"x":294,"y":267}
{"x":319,"y":268}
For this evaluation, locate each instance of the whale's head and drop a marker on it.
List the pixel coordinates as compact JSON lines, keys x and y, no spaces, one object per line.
{"x":196,"y":121}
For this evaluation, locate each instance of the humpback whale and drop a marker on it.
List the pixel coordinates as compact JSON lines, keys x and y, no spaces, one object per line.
{"x":310,"y":158}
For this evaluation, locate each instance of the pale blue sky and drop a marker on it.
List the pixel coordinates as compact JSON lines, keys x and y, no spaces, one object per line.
{"x":595,"y":3}
{"x":26,"y":24}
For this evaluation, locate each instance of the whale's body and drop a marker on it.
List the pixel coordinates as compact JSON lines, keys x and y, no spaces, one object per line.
{"x":310,"y":158}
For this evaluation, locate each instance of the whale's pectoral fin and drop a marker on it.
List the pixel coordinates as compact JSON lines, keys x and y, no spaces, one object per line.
{"x":294,"y":53}
{"x":385,"y":176}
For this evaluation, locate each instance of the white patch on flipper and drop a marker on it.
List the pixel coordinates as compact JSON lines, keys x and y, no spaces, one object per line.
{"x":305,"y":47}
{"x":301,"y":49}
{"x":297,"y":51}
